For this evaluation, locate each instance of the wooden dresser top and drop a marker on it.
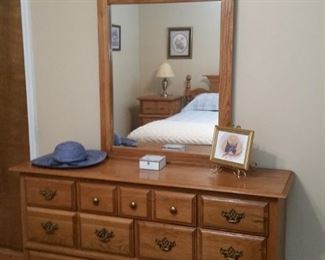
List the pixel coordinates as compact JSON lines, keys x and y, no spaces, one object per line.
{"x":259,"y":182}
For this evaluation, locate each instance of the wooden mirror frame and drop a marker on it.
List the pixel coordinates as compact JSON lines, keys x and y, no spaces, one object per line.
{"x":106,"y":82}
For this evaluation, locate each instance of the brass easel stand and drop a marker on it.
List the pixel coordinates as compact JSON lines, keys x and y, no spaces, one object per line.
{"x":217,"y":169}
{"x":237,"y":172}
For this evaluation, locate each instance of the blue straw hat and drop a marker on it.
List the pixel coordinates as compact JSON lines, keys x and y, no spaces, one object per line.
{"x":70,"y":155}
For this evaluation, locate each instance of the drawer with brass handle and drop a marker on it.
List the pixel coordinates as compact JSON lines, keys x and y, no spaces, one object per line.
{"x":48,"y":226}
{"x":135,"y":202}
{"x":50,"y":193}
{"x":107,"y":234}
{"x":175,"y":207}
{"x":233,"y":214}
{"x":95,"y":197}
{"x":153,"y":107}
{"x":156,"y":107}
{"x":104,"y":235}
{"x":218,"y":245}
{"x":164,"y":244}
{"x":165,"y":241}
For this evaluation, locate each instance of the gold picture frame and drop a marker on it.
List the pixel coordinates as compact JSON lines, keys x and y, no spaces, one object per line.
{"x":232,"y":147}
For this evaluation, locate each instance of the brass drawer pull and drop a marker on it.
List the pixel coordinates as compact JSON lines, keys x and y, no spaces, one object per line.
{"x":104,"y":235}
{"x":96,"y":201}
{"x":173,"y":210}
{"x":49,"y":227}
{"x":233,"y":216}
{"x":165,"y":245}
{"x":47,"y":193}
{"x":133,"y":205}
{"x":230,"y":253}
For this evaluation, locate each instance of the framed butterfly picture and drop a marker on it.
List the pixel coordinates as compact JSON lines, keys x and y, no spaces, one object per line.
{"x":232,"y":147}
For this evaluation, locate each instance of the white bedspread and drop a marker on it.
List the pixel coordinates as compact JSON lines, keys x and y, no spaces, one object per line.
{"x":187,"y":127}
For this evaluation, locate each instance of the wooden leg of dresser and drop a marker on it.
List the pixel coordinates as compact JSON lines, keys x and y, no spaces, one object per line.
{"x":275,"y":241}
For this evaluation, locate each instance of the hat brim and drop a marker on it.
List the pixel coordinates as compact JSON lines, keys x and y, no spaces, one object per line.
{"x":93,"y":157}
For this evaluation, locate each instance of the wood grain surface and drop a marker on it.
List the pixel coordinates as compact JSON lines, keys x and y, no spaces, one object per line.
{"x":121,"y":241}
{"x":259,"y":182}
{"x":100,"y":198}
{"x":212,"y":242}
{"x":134,"y":202}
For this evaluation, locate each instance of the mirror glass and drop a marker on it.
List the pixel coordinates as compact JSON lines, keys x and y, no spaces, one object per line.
{"x":186,"y":36}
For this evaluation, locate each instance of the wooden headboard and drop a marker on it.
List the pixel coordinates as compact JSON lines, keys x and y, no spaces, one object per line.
{"x":190,"y":93}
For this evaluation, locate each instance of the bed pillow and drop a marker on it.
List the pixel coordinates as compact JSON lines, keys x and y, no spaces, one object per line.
{"x":204,"y":102}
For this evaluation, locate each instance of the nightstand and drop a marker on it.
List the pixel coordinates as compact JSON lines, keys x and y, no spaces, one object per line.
{"x":155,"y":107}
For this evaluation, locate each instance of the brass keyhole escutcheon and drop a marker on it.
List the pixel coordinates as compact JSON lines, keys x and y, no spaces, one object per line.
{"x":104,"y":235}
{"x":233,"y":216}
{"x":230,"y":253}
{"x":165,"y":244}
{"x":47,"y":193}
{"x":49,"y":227}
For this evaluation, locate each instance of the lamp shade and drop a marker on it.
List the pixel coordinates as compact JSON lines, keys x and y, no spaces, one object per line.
{"x":165,"y":71}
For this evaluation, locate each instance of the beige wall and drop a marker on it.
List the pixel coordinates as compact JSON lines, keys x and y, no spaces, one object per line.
{"x":154,"y":21}
{"x":278,"y":92}
{"x":65,"y":54}
{"x":126,"y":70}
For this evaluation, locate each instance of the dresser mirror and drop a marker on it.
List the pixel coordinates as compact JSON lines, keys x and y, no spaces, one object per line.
{"x":144,"y":47}
{"x":130,"y":88}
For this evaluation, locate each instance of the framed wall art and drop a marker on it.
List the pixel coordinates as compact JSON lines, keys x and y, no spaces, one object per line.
{"x":116,"y":37}
{"x":180,"y":42}
{"x":232,"y":147}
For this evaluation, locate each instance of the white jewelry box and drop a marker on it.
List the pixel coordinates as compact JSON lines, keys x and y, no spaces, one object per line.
{"x":152,"y":162}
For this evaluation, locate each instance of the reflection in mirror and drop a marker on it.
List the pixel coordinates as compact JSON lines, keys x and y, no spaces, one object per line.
{"x":140,"y":111}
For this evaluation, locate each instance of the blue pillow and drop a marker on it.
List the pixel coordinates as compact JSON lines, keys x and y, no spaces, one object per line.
{"x":204,"y":102}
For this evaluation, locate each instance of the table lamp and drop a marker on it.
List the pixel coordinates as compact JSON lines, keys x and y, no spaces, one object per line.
{"x":165,"y":72}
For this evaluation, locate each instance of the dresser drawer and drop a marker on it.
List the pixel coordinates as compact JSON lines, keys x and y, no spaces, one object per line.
{"x":97,"y":198}
{"x":175,"y":207}
{"x":154,"y":107}
{"x":217,"y":245}
{"x":163,"y":241}
{"x":107,"y":234}
{"x":53,"y":227}
{"x":234,"y":214}
{"x":134,"y":202}
{"x":50,"y":193}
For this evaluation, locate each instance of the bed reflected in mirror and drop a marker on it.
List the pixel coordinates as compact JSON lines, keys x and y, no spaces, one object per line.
{"x":186,"y":36}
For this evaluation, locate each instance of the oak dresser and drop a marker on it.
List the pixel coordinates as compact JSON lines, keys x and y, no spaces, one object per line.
{"x":116,"y":211}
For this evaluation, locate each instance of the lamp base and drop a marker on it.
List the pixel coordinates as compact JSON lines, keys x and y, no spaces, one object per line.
{"x":164,"y":85}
